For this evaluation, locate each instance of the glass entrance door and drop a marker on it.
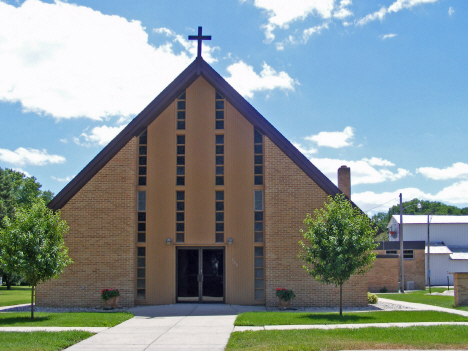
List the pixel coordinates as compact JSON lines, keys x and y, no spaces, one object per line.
{"x":200,"y":274}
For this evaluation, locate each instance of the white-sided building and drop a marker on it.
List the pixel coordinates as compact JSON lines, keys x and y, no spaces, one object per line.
{"x":448,"y":242}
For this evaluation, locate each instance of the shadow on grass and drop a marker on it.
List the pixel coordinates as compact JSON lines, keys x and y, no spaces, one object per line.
{"x":337,"y":319}
{"x":23,"y":320}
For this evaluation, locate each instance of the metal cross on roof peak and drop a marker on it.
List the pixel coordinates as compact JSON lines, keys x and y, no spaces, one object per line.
{"x":199,"y":37}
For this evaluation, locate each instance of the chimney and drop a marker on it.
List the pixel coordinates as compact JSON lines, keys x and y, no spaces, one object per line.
{"x":344,"y":180}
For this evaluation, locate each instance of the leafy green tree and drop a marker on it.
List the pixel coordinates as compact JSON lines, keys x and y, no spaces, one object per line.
{"x":17,"y":190}
{"x":33,"y":246}
{"x":338,"y":243}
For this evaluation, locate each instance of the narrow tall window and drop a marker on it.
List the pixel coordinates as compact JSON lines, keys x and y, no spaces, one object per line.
{"x":258,"y":158}
{"x":259,"y":280}
{"x":180,"y":177}
{"x":219,"y":108}
{"x":141,"y":213}
{"x":219,"y":216}
{"x":258,"y":216}
{"x":219,"y":140}
{"x":142,"y":157}
{"x":141,"y":274}
{"x":180,"y":105}
{"x":180,"y":216}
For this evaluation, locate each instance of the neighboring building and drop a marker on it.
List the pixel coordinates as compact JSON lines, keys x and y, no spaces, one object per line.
{"x":386,"y":272}
{"x":449,"y":242}
{"x":198,"y":199}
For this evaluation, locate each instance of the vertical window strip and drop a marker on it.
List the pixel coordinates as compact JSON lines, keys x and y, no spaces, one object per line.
{"x":141,"y":214}
{"x":180,"y":216}
{"x":181,"y":109}
{"x":219,"y":155}
{"x":141,"y":272}
{"x":142,"y":157}
{"x":259,"y":293}
{"x":219,"y":216}
{"x":219,"y":111}
{"x":258,"y":216}
{"x":258,"y":158}
{"x":180,"y":154}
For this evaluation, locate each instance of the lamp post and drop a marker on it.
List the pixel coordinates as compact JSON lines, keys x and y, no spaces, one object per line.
{"x":402,"y":269}
{"x":428,"y":254}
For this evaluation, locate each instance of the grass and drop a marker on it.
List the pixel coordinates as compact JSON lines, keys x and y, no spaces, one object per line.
{"x":421,"y":297}
{"x":40,"y":341}
{"x":74,"y":319}
{"x":16,"y":296}
{"x":295,"y":318}
{"x":440,"y":337}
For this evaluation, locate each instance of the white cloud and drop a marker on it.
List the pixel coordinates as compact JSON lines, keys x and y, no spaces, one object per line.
{"x":451,"y":11}
{"x":377,"y":161}
{"x":281,"y":13}
{"x":66,"y":179}
{"x":307,"y":152}
{"x":307,"y":33}
{"x":22,"y":156}
{"x":64,"y":140}
{"x":333,"y":139}
{"x":407,"y":4}
{"x":396,"y":6}
{"x":454,"y":194}
{"x":246,"y":81}
{"x":342,"y":12}
{"x":458,"y":170}
{"x":362,"y":171}
{"x":67,"y":61}
{"x":386,"y":36}
{"x":373,"y":16}
{"x":99,"y":136}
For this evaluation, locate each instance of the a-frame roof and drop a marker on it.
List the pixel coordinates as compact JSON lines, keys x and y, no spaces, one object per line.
{"x":196,"y":69}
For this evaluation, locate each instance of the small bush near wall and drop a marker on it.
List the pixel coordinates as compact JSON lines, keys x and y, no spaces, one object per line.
{"x":372,"y":298}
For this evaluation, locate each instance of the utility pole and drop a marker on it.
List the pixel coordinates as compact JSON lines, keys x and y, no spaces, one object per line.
{"x":428,"y":254}
{"x":402,"y":280}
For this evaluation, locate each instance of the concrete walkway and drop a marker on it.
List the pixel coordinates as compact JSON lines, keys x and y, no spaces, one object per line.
{"x":424,"y":307}
{"x":170,"y":327}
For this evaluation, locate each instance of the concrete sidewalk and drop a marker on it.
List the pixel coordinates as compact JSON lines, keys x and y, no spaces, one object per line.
{"x":170,"y":327}
{"x":424,"y":307}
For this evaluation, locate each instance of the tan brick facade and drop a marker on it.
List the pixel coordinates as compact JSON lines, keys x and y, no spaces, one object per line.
{"x":289,"y":195}
{"x":101,"y":239}
{"x":460,"y":284}
{"x":386,"y":272}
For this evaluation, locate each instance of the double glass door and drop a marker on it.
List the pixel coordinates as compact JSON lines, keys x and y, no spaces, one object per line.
{"x":200,"y":274}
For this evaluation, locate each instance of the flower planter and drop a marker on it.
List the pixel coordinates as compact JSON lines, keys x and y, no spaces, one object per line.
{"x":112,"y":302}
{"x":284,"y":304}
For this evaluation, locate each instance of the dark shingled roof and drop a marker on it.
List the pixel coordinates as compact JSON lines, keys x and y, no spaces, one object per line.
{"x":196,"y":69}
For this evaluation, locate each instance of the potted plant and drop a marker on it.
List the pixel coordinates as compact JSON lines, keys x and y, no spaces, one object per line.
{"x":284,"y":297}
{"x":110,"y":297}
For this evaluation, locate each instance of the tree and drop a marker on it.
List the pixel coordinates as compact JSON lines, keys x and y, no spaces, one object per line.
{"x":33,"y":246}
{"x":17,"y":190}
{"x":338,"y":243}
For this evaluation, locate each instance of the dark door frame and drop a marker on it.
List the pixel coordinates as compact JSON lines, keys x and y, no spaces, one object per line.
{"x":200,"y":265}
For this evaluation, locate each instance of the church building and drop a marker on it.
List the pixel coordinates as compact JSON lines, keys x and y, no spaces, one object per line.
{"x":199,"y":199}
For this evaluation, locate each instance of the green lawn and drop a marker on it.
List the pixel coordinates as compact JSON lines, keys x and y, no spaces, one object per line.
{"x":421,"y":297}
{"x":40,"y":341}
{"x":294,"y":318}
{"x":16,"y":296}
{"x":75,"y":319}
{"x":440,"y":337}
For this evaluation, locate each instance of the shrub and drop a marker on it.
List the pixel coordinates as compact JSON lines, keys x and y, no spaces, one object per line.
{"x":372,"y":298}
{"x":285,"y":294}
{"x":384,"y":290}
{"x":107,"y":294}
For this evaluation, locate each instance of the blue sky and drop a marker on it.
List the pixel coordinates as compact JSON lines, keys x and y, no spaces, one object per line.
{"x":378,"y":86}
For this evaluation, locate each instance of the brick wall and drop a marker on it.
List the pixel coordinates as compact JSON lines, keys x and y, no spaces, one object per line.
{"x":460,"y":284}
{"x":384,"y":273}
{"x":101,"y":239}
{"x":289,"y":195}
{"x":415,"y":270}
